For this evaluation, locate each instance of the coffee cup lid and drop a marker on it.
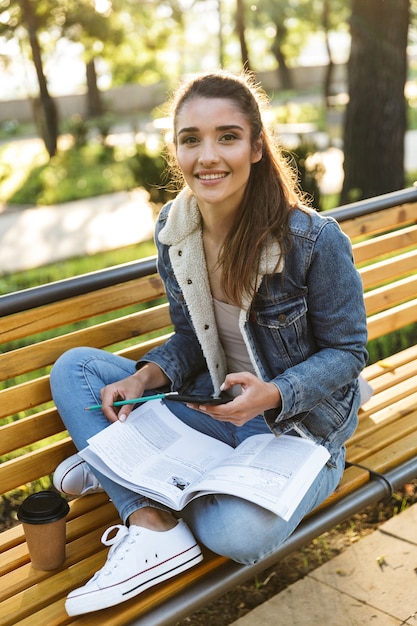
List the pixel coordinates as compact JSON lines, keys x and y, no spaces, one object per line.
{"x":43,"y":507}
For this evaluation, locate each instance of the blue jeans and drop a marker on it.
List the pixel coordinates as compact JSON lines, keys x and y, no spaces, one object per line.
{"x":227,"y":525}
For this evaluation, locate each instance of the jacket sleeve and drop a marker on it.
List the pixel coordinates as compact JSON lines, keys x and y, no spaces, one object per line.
{"x":337,"y":319}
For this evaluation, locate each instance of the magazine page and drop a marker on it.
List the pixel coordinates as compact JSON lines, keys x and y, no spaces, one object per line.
{"x":274,"y":472}
{"x":154,"y":453}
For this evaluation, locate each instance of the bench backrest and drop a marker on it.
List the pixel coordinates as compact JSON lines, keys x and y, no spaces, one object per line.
{"x":124,"y":310}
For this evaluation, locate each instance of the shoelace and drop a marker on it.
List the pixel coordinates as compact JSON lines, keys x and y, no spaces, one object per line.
{"x":117,"y":552}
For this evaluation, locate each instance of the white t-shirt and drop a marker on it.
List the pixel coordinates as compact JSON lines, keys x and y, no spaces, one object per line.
{"x":237,"y":357}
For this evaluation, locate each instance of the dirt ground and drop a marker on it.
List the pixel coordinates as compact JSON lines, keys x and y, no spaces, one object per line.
{"x":295,"y":566}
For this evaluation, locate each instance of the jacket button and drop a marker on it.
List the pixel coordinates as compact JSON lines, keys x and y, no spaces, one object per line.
{"x":189,"y":281}
{"x":206,"y":326}
{"x":282,"y":317}
{"x":179,"y":252}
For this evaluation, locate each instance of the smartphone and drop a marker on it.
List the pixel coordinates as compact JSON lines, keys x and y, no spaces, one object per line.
{"x":207,"y":400}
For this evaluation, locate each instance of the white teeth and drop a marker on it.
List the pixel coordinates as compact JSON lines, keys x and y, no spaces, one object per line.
{"x":211,"y":176}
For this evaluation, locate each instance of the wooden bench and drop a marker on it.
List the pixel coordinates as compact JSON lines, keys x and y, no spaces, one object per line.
{"x":34,"y":332}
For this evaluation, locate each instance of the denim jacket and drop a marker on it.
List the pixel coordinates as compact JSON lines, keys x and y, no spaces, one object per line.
{"x":305,"y":328}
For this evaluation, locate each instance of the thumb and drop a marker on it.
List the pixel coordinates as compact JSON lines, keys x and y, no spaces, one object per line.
{"x":231,"y":380}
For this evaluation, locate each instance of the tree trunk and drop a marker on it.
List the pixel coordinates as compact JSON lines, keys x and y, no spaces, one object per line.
{"x":221,"y":38}
{"x":94,"y":103}
{"x":375,"y":122}
{"x":240,"y":27}
{"x":47,"y":119}
{"x":285,"y":78}
{"x":328,"y":77}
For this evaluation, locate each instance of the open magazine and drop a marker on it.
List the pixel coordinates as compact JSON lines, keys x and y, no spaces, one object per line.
{"x":157,"y":455}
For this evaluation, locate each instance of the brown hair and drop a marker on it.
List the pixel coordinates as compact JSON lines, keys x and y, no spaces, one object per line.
{"x":272,"y":190}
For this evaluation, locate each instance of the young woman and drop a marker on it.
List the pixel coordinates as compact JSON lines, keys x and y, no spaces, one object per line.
{"x":266,"y":305}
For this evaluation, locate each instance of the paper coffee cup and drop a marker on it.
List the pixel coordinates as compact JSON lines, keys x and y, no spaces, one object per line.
{"x":43,"y":515}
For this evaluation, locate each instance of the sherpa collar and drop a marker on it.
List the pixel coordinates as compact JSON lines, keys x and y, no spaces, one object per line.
{"x":184,"y":219}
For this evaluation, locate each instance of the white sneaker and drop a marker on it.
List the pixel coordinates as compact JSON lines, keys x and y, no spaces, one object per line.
{"x":73,"y":477}
{"x":138,"y":559}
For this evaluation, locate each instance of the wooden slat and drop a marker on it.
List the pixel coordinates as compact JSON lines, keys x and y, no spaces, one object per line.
{"x":390,"y":364}
{"x":394,"y":413}
{"x":384,"y":244}
{"x":36,"y":597}
{"x":29,"y":430}
{"x":79,"y":308}
{"x":34,"y":465}
{"x":388,"y":219}
{"x":393,"y":455}
{"x":137,"y":351}
{"x":390,"y":295}
{"x":56,"y":616}
{"x":389,"y":378}
{"x":388,"y":270}
{"x":36,"y":392}
{"x":404,"y":401}
{"x":10,"y":538}
{"x":45,"y":353}
{"x":392,"y":319}
{"x":381,"y":438}
{"x":24,"y":396}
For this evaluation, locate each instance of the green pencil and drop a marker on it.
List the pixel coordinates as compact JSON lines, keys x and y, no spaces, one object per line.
{"x":158,"y":396}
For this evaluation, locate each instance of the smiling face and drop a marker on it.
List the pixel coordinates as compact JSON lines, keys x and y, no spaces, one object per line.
{"x":214,"y":151}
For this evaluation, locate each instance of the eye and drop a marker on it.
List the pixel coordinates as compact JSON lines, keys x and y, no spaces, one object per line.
{"x":228,"y":137}
{"x":188,"y":140}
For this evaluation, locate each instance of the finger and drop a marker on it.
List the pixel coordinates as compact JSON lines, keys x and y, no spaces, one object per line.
{"x":199,"y":407}
{"x":108,"y":408}
{"x":124,"y":412}
{"x":110,"y":413}
{"x":237,"y":378}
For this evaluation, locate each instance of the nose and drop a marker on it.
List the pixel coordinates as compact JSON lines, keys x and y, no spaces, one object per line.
{"x":208,"y":153}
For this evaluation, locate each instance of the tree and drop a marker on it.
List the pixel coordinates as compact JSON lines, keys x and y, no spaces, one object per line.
{"x":153,"y":32}
{"x":292,"y":23}
{"x":31,"y":16}
{"x":375,"y":121}
{"x":240,"y":28}
{"x":48,"y":115}
{"x":79,"y":21}
{"x":334,"y":15}
{"x":277,"y":14}
{"x":221,"y":39}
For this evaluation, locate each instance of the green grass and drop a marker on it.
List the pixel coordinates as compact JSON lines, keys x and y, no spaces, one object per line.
{"x":74,"y":267}
{"x":73,"y":174}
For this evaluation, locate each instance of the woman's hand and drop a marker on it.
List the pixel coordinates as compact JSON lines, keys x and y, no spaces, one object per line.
{"x":150,"y":376}
{"x":257,"y":396}
{"x":125,"y":389}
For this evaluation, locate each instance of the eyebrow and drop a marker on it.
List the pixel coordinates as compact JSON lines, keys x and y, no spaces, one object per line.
{"x":194,"y":129}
